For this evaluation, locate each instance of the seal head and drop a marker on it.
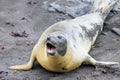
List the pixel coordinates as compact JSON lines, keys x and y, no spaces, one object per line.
{"x":56,"y":43}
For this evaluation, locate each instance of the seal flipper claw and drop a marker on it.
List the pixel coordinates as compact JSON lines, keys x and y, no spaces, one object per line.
{"x":100,"y":63}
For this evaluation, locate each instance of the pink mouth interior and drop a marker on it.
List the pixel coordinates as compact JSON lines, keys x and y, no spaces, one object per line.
{"x":50,"y":48}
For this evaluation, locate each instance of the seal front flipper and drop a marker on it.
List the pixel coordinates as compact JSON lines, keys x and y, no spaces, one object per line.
{"x":99,"y":63}
{"x":26,"y":66}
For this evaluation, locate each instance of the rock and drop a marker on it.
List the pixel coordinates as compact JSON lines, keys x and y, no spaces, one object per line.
{"x":72,"y":11}
{"x":116,"y":31}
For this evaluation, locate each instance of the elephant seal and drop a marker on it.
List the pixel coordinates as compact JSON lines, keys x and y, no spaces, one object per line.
{"x":65,"y":45}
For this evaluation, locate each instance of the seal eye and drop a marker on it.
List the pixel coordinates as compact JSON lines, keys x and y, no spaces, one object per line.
{"x":60,"y":37}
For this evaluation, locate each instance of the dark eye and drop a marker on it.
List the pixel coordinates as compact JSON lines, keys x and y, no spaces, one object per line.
{"x":60,"y":37}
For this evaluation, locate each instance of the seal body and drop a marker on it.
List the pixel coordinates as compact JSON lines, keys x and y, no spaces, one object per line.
{"x":80,"y":37}
{"x":65,"y":45}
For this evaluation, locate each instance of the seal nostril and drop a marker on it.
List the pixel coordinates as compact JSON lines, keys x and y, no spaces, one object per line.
{"x":48,"y":38}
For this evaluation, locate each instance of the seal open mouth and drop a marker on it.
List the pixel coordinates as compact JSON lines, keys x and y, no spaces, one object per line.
{"x":51,"y":49}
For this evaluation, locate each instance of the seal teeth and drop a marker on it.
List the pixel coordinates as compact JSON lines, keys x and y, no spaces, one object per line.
{"x":50,"y":48}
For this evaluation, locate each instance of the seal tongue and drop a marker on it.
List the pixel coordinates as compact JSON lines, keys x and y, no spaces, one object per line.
{"x":50,"y":48}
